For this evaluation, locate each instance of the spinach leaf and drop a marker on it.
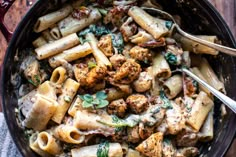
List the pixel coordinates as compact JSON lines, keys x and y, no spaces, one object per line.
{"x":103,"y":149}
{"x":171,"y":58}
{"x":118,"y":42}
{"x":167,"y":104}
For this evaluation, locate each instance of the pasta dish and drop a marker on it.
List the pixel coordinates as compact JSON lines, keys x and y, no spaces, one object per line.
{"x":102,"y":80}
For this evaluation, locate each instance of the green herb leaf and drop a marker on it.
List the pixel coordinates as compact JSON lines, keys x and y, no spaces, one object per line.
{"x":118,"y":42}
{"x":103,"y":11}
{"x":103,"y":149}
{"x":167,"y":104}
{"x":30,"y":81}
{"x":171,"y":58}
{"x":86,"y":104}
{"x":101,"y":95}
{"x":96,"y":102}
{"x":37,"y":78}
{"x":102,"y":104}
{"x":88,"y":98}
{"x":91,"y":65}
{"x":169,"y":24}
{"x":67,"y":99}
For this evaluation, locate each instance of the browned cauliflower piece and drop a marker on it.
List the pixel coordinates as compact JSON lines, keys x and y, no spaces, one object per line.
{"x":95,"y":75}
{"x":187,"y":152}
{"x":137,"y":103}
{"x":145,"y":131}
{"x":117,"y":107}
{"x":187,"y":138}
{"x":168,"y":150}
{"x":117,"y":60}
{"x":143,"y":83}
{"x":133,"y":134}
{"x":80,"y":71}
{"x":128,"y":72}
{"x":128,"y":29}
{"x":105,"y":45}
{"x":140,"y":54}
{"x":152,"y":146}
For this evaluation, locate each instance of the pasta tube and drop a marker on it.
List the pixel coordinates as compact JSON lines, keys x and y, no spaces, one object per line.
{"x":114,"y":94}
{"x":68,"y":134}
{"x":156,"y":27}
{"x":89,"y":121}
{"x":210,"y":75}
{"x":46,"y":34}
{"x":100,"y":57}
{"x":75,"y":106}
{"x":173,"y":86}
{"x":161,"y":68}
{"x":33,"y":143}
{"x":69,"y":90}
{"x":48,"y":143}
{"x":72,"y":25}
{"x":58,"y":75}
{"x":47,"y":90}
{"x":55,"y":33}
{"x":71,"y":54}
{"x":50,"y":19}
{"x":57,"y":46}
{"x":207,"y":130}
{"x":197,"y":72}
{"x":40,"y":41}
{"x":40,"y":113}
{"x":152,"y":146}
{"x":192,"y":46}
{"x":115,"y":150}
{"x":200,"y":109}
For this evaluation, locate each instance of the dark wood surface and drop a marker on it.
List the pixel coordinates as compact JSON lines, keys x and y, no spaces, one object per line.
{"x":227,"y":9}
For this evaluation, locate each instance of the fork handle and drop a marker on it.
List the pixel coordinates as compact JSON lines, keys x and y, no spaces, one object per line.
{"x":225,"y":99}
{"x":221,"y":48}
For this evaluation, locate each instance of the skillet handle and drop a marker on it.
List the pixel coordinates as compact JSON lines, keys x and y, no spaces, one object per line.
{"x":4,"y":7}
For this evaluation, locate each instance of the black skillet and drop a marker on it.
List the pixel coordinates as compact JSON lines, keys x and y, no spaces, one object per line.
{"x":199,"y":17}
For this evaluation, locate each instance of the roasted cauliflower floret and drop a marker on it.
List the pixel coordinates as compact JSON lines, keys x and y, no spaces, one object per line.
{"x":143,"y":83}
{"x":140,"y":54}
{"x":128,"y":29}
{"x":137,"y":103}
{"x":168,"y":150}
{"x":117,"y":60}
{"x":145,"y":131}
{"x":186,"y":138}
{"x":95,"y":75}
{"x":117,"y":107}
{"x":80,"y":71}
{"x":128,"y":72}
{"x":105,"y":45}
{"x":152,"y":146}
{"x":187,"y":152}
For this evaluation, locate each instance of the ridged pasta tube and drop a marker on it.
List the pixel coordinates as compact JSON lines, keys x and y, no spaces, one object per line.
{"x":156,"y":27}
{"x":97,"y":53}
{"x":48,"y":143}
{"x":115,"y":150}
{"x":200,"y":109}
{"x":71,"y":54}
{"x":75,"y":106}
{"x":40,"y":113}
{"x":68,"y":134}
{"x":72,"y":25}
{"x":57,"y":46}
{"x":161,"y":68}
{"x":33,"y":143}
{"x":50,"y":19}
{"x":69,"y":89}
{"x":40,"y":41}
{"x":173,"y":86}
{"x":55,"y":33}
{"x":46,"y":89}
{"x":58,"y":75}
{"x":47,"y":35}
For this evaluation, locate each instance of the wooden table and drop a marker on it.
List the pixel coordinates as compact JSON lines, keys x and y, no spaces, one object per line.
{"x":227,"y":8}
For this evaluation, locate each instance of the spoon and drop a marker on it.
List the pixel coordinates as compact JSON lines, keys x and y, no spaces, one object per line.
{"x":225,"y":99}
{"x":224,"y":49}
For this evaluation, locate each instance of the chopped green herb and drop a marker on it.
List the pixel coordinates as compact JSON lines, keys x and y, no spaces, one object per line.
{"x":130,"y":121}
{"x":91,"y":65}
{"x":103,"y":149}
{"x":67,"y":99}
{"x":171,"y":58}
{"x":167,"y":104}
{"x":169,"y":24}
{"x":118,"y":42}
{"x":97,"y":101}
{"x":103,"y":11}
{"x":36,"y":80}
